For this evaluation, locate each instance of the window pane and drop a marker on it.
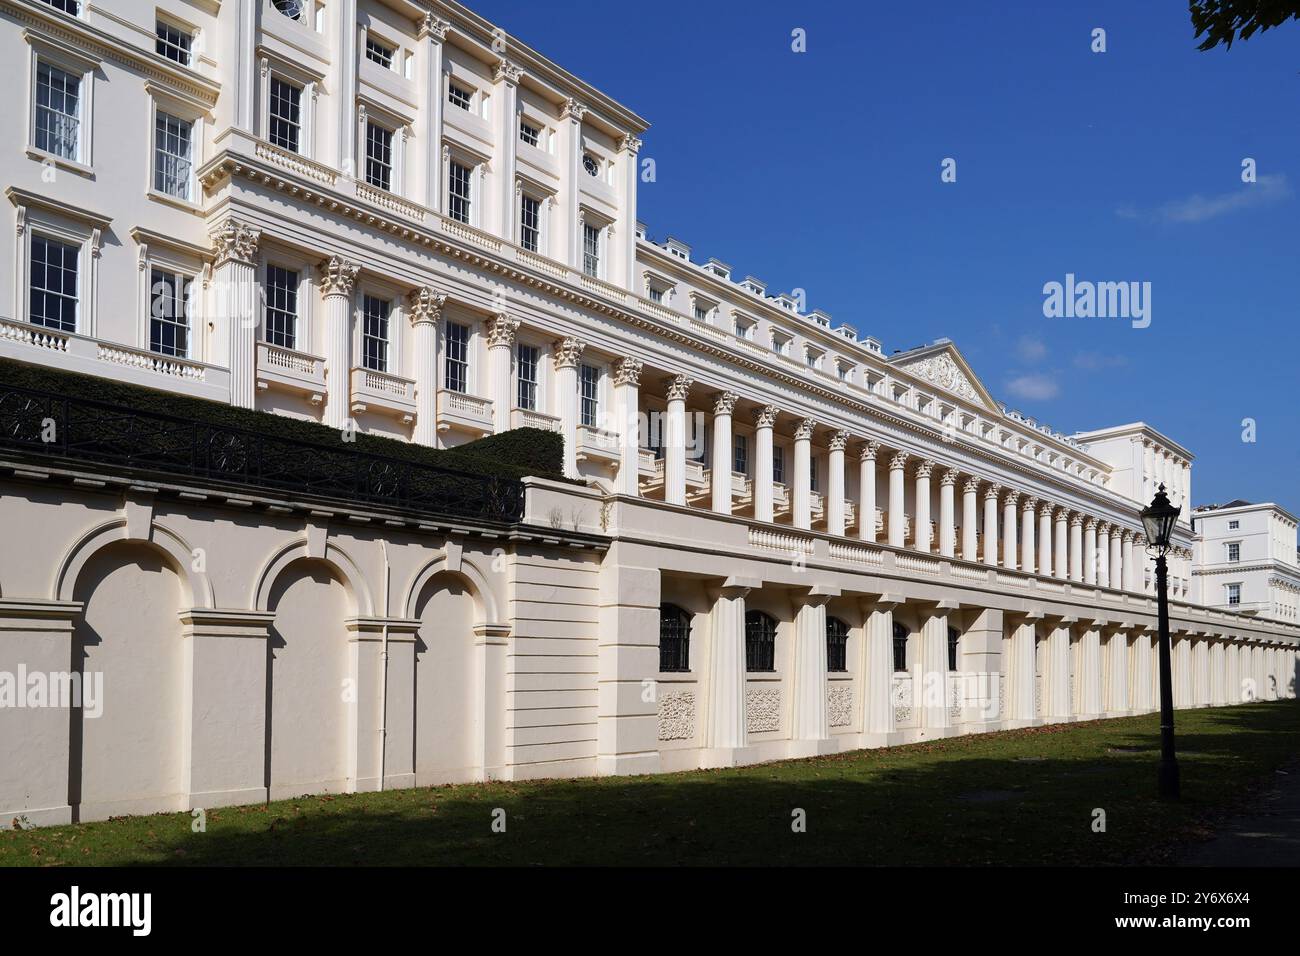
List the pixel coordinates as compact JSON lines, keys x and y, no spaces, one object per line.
{"x":58,"y":112}
{"x":281,"y":307}
{"x":591,"y":251}
{"x":760,"y":642}
{"x":457,"y":357}
{"x":674,"y":639}
{"x":590,"y":393}
{"x":172,"y":155}
{"x":169,"y":324}
{"x":54,"y":284}
{"x":376,"y":52}
{"x":458,"y":193}
{"x":459,"y":97}
{"x":286,"y":114}
{"x":173,"y":43}
{"x":837,"y":641}
{"x":529,"y":222}
{"x":374,"y":332}
{"x":526,"y":362}
{"x":379,"y":156}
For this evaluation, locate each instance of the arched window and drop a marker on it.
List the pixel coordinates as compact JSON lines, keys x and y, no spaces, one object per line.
{"x":954,"y":640}
{"x":674,"y":639}
{"x":837,"y":645}
{"x":760,"y":641}
{"x":900,"y":647}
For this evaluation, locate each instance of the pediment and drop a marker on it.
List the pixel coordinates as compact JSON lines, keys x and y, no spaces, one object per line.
{"x":943,"y":367}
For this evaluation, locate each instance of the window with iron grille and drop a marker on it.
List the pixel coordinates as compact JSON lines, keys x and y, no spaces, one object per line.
{"x":900,"y":647}
{"x":374,"y":332}
{"x":458,"y":192}
{"x":172,"y":42}
{"x":67,"y":6}
{"x":58,"y":112}
{"x":53,"y":284}
{"x":169,"y":313}
{"x":281,"y":324}
{"x":589,"y":382}
{"x":674,"y":639}
{"x":285,"y":124}
{"x":591,"y":250}
{"x":377,"y":52}
{"x":459,"y":97}
{"x":379,"y":156}
{"x":778,"y":464}
{"x":529,"y":133}
{"x":740,"y":457}
{"x":457,"y":357}
{"x":760,"y":642}
{"x":837,"y":646}
{"x":954,"y":645}
{"x":530,"y":222}
{"x":526,"y":365}
{"x":173,"y":155}
{"x":293,"y":9}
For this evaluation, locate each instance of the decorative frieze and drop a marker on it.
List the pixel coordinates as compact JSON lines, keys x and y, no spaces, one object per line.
{"x":677,"y":715}
{"x":762,"y":710}
{"x":839,"y":704}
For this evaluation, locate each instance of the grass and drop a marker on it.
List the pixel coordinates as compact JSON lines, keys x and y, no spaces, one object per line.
{"x":1017,"y":797}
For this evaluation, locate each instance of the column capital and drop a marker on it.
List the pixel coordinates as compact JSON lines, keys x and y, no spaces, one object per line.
{"x":679,"y":387}
{"x":425,"y":305}
{"x":338,"y":276}
{"x":971,"y":486}
{"x":898,"y":461}
{"x":949,"y":478}
{"x":1045,"y":509}
{"x":235,"y":241}
{"x":501,"y":331}
{"x":629,"y":144}
{"x":1127,"y":536}
{"x":724,"y":403}
{"x":1012,"y":499}
{"x":1090,"y":524}
{"x":993,"y":491}
{"x":573,"y":110}
{"x":765,"y":417}
{"x":628,"y":372}
{"x":868,"y":450}
{"x":1030,"y":504}
{"x":924,"y":468}
{"x":839,"y":440}
{"x":433,"y":27}
{"x":1076,"y":520}
{"x":568,"y":352}
{"x":804,"y":430}
{"x":506,"y":71}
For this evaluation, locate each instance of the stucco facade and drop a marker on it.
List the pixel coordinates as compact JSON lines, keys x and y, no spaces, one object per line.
{"x":394,"y":217}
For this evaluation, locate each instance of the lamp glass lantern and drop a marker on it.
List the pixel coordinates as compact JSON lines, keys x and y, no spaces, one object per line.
{"x":1158,"y":519}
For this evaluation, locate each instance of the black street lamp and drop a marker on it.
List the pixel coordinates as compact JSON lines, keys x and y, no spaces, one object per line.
{"x":1158,"y":520}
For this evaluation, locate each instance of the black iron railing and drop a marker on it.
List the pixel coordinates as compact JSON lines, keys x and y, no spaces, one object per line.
{"x":44,"y":424}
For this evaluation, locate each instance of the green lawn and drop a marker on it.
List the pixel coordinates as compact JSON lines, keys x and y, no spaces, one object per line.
{"x":1019,"y":797}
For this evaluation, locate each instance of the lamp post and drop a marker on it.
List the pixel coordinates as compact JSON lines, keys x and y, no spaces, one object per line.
{"x":1158,"y":520}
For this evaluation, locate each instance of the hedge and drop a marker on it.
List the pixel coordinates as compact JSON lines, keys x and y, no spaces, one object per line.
{"x":514,"y":454}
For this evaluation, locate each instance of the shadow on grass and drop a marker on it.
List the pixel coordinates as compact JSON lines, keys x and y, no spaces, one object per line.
{"x":1019,"y":797}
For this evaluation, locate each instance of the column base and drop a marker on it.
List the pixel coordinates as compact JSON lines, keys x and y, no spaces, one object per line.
{"x":44,"y":817}
{"x":627,"y":765}
{"x":227,"y":798}
{"x":813,"y":748}
{"x":935,"y":733}
{"x":1081,"y":717}
{"x":712,"y":758}
{"x":872,"y":741}
{"x":1019,"y":723}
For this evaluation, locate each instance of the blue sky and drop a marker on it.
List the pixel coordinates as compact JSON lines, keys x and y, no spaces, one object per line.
{"x":821,"y":171}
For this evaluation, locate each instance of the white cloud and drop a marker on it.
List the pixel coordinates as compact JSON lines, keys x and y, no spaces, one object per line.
{"x":1095,"y":361}
{"x":1197,"y":208}
{"x":1034,"y":387}
{"x":1031,"y":350}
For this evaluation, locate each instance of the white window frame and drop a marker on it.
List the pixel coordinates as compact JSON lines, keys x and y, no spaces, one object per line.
{"x":1227,"y":552}
{"x":598,"y":420}
{"x":168,"y":254}
{"x":162,"y":18}
{"x":164,"y":100}
{"x":543,"y":383}
{"x":543,"y":206}
{"x":394,"y":51}
{"x":73,"y":61}
{"x":65,"y":223}
{"x":472,"y":362}
{"x":396,"y":322}
{"x":309,"y":84}
{"x":1228,"y":593}
{"x":586,"y":218}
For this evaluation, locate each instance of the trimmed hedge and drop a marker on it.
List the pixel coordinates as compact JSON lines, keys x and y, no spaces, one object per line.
{"x":515,"y":454}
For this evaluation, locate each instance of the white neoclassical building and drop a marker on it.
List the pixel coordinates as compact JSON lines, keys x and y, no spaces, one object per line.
{"x":1246,"y":559}
{"x":778,"y":538}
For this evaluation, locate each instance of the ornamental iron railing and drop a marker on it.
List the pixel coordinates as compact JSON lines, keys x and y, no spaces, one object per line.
{"x":48,"y":425}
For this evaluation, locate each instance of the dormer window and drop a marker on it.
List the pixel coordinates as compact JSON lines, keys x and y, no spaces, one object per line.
{"x":719,"y":269}
{"x":591,"y":165}
{"x":753,"y":285}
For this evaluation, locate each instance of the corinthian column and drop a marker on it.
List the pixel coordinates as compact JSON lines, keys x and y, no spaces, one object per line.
{"x":1117,"y":558}
{"x":867,"y":490}
{"x":970,"y":519}
{"x":425,"y":308}
{"x":338,"y":276}
{"x":1090,"y":551}
{"x":803,"y":474}
{"x":835,"y":484}
{"x":763,"y":422}
{"x":1103,"y":555}
{"x":921,"y":534}
{"x":675,"y":445}
{"x":235,"y":318}
{"x":723,"y":405}
{"x":991,"y":494}
{"x":1009,"y":529}
{"x":500,"y":344}
{"x":947,"y":520}
{"x":565,"y":357}
{"x":1129,"y":560}
{"x":1061,"y":558}
{"x":1076,"y":547}
{"x":896,"y":496}
{"x":1028,"y":548}
{"x":1045,"y":540}
{"x":627,"y":405}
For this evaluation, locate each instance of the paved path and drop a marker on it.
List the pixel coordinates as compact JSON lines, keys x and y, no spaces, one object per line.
{"x":1268,"y":835}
